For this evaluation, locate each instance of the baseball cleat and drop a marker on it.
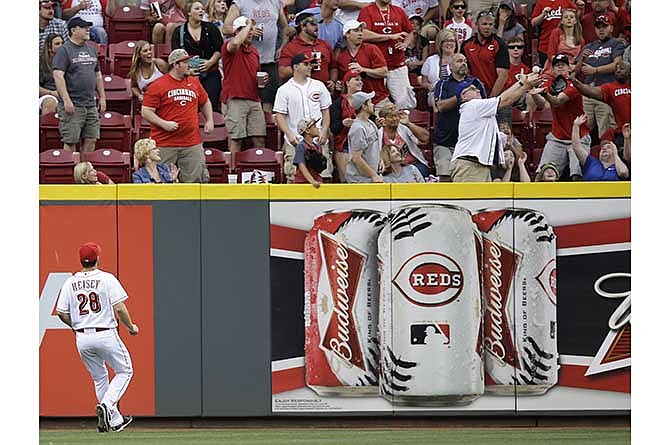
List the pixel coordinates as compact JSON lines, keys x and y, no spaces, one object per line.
{"x":123,"y":425}
{"x":102,"y":415}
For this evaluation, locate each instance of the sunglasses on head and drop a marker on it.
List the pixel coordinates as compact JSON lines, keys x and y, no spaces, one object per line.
{"x":458,"y":6}
{"x":515,"y":46}
{"x":485,"y":14}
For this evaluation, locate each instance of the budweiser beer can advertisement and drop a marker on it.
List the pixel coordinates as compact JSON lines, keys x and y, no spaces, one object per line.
{"x":497,"y":302}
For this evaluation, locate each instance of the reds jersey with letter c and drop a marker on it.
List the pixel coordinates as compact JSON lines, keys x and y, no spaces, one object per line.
{"x":391,"y":21}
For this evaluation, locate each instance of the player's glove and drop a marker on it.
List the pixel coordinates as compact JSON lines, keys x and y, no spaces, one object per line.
{"x":557,"y":85}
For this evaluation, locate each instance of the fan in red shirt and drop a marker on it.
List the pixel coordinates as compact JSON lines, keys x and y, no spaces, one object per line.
{"x":515,"y":46}
{"x":171,"y":107}
{"x":565,"y":105}
{"x":388,"y":27}
{"x":364,"y":58}
{"x":547,"y":15}
{"x":323,"y":68}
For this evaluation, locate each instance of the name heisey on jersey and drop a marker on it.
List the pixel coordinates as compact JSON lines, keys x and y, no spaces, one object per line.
{"x":85,"y":284}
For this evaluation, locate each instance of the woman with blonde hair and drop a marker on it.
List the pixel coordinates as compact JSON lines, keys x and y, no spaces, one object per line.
{"x":150,"y":170}
{"x":393,"y":168}
{"x":84,"y":173}
{"x":436,"y":67}
{"x":566,"y":39}
{"x":144,"y":68}
{"x":217,"y":10}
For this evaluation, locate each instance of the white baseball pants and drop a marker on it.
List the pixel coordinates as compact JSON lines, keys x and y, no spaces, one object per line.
{"x":97,"y":349}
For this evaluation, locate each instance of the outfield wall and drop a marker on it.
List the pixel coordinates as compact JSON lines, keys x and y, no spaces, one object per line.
{"x":214,"y":275}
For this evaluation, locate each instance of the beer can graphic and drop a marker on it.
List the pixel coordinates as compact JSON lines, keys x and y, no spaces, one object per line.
{"x":342,"y":303}
{"x":430,"y":307}
{"x":519,"y":280}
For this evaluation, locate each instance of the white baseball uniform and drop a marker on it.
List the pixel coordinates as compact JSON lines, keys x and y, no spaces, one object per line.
{"x":89,"y":297}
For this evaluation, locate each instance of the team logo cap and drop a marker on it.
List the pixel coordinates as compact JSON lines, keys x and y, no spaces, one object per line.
{"x":89,"y":252}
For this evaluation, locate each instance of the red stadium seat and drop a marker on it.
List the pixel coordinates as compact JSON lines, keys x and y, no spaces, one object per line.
{"x":57,"y":166}
{"x":260,"y":159}
{"x":217,"y":138}
{"x":217,"y":164}
{"x":115,"y":131}
{"x":120,"y":57}
{"x":114,"y":163}
{"x":273,"y":140}
{"x":420,"y":118}
{"x":128,"y":23}
{"x":101,"y":51}
{"x":595,"y":151}
{"x":141,"y":128}
{"x":163,"y":50}
{"x":118,"y":94}
{"x":49,"y":134}
{"x":522,"y":129}
{"x":219,"y":120}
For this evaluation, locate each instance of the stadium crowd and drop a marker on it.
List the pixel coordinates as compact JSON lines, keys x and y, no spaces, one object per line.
{"x":347,"y":90}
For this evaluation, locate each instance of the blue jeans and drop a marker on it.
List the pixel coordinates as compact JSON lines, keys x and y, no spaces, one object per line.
{"x":99,"y":34}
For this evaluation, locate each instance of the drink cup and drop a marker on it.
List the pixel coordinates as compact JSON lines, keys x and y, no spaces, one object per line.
{"x":232,"y":178}
{"x":261,"y":78}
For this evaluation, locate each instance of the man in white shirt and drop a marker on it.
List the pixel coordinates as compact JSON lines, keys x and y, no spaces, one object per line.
{"x":302,"y":97}
{"x":480,"y":142}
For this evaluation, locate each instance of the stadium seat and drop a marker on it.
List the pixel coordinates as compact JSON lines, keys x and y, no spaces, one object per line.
{"x":120,"y":57}
{"x":273,"y":138}
{"x":101,"y":51}
{"x":260,"y":159}
{"x":118,"y":94}
{"x":420,"y":118}
{"x":162,"y":50}
{"x":128,"y":23}
{"x":217,"y":164}
{"x":57,"y":166}
{"x":49,"y":134}
{"x":219,"y":120}
{"x":115,"y":131}
{"x":114,"y":163}
{"x":595,"y":151}
{"x":522,"y":129}
{"x":217,"y":138}
{"x":541,"y":126}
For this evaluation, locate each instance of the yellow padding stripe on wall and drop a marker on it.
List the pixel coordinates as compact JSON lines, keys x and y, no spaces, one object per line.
{"x":452,"y":191}
{"x":77,"y":193}
{"x":572,"y":190}
{"x":329,"y":192}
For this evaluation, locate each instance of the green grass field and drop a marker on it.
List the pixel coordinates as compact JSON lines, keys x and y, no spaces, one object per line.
{"x":487,"y":436}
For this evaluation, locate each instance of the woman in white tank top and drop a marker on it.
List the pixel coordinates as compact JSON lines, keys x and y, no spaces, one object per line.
{"x":144,"y":68}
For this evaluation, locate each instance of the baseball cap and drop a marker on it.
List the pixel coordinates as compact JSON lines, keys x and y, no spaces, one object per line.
{"x":305,"y":124}
{"x":352,"y":24}
{"x":508,"y":3}
{"x":48,"y":4}
{"x":301,"y":17}
{"x":603,"y":19}
{"x":560,"y":58}
{"x":301,"y":57}
{"x":239,"y":22}
{"x":358,"y":99}
{"x":78,"y":22}
{"x":89,"y":252}
{"x":178,"y":55}
{"x":415,"y":16}
{"x":349,"y":74}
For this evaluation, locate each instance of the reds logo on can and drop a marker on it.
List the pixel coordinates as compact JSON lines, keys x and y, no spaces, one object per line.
{"x":429,"y":279}
{"x":343,"y":265}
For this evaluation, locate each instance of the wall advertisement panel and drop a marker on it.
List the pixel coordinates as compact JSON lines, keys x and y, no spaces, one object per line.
{"x":513,"y":302}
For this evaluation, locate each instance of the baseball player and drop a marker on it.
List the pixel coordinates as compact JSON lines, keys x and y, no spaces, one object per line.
{"x":87,"y":303}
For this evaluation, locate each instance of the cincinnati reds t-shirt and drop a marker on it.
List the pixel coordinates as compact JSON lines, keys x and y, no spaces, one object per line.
{"x":391,"y":21}
{"x":552,"y":19}
{"x":368,"y":56}
{"x":178,"y":101}
{"x":617,"y":96}
{"x":564,"y":116}
{"x":415,"y":7}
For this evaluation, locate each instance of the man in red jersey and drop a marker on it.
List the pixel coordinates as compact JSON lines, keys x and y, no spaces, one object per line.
{"x":366,"y":59}
{"x":241,"y":102}
{"x":307,"y":40}
{"x":487,"y":55}
{"x":565,"y":107}
{"x":547,"y":15}
{"x":388,"y":27}
{"x":171,"y":107}
{"x":617,"y":95}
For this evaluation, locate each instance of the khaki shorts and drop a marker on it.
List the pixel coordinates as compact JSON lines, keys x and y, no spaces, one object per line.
{"x":84,"y":123}
{"x":244,"y":118}
{"x":189,"y":160}
{"x":442,"y":159}
{"x":465,"y":170}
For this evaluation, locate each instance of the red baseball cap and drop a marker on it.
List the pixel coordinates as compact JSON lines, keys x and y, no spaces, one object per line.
{"x":89,"y":252}
{"x":349,"y":74}
{"x":604,"y":19}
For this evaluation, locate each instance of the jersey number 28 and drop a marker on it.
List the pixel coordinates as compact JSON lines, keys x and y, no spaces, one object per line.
{"x":92,"y":300}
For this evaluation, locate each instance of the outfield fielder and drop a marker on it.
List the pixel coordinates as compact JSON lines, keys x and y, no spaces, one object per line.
{"x":87,"y":303}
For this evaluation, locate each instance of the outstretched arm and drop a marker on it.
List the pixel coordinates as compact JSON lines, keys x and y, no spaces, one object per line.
{"x":576,"y":145}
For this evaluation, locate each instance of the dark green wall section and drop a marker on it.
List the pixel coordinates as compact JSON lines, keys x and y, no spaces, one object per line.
{"x":236,"y":368}
{"x":177,"y":307}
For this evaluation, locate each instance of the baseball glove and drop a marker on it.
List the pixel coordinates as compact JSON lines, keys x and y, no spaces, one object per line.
{"x":557,"y":85}
{"x":315,"y":160}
